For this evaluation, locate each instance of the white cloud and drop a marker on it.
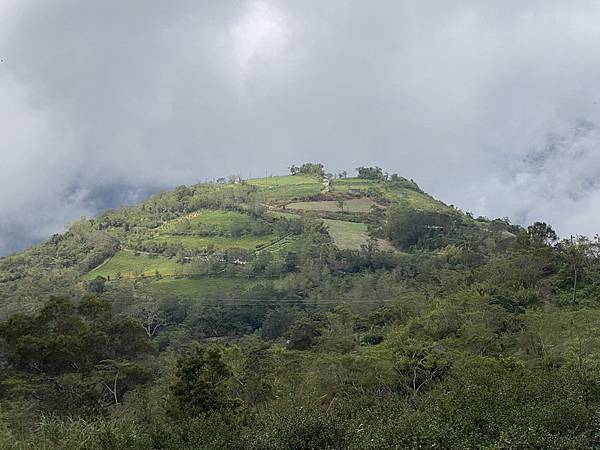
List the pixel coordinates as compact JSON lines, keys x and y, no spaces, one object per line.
{"x":260,"y":33}
{"x":103,"y":99}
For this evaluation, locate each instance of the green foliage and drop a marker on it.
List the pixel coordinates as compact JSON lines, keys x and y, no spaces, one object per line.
{"x":357,"y":185}
{"x":541,"y":233}
{"x":311,"y":332}
{"x":358,"y":205}
{"x":347,"y":235}
{"x":202,"y":385}
{"x":203,"y":245}
{"x":201,"y":287}
{"x":216,"y":223}
{"x":277,"y":188}
{"x":127,"y":264}
{"x":418,"y":366}
{"x":315,"y":169}
{"x":408,"y":228}
{"x":370,"y":173}
{"x":77,"y":348}
{"x":302,"y":334}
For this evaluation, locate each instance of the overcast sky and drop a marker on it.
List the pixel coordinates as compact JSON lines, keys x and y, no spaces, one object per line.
{"x":492,"y":106}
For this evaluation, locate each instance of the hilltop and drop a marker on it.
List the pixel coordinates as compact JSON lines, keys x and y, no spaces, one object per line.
{"x":300,"y":311}
{"x":210,"y":236}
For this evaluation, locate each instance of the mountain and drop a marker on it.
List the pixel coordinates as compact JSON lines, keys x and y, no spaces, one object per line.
{"x":185,"y":240}
{"x":300,"y":311}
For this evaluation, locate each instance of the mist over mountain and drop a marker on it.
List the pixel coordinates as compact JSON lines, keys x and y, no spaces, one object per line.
{"x":462,"y":97}
{"x":282,"y":224}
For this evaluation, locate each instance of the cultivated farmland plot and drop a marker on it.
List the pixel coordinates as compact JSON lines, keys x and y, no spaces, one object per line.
{"x":355,"y":205}
{"x":287,"y":187}
{"x":352,"y":235}
{"x":130,"y":265}
{"x":347,"y":235}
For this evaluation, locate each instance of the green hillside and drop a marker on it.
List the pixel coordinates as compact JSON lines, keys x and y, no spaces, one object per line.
{"x":347,"y":235}
{"x":285,"y":188}
{"x":175,"y":234}
{"x":300,"y":311}
{"x":127,"y":264}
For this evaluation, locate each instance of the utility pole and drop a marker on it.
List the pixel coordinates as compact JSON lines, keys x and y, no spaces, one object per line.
{"x":266,"y":186}
{"x":574,"y":271}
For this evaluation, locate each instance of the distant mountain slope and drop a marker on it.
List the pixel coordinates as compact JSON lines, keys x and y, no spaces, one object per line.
{"x":181,"y":234}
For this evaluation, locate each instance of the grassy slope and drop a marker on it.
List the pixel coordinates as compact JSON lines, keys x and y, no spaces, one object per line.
{"x":217,"y":221}
{"x":347,"y":235}
{"x":128,"y":265}
{"x":287,"y":187}
{"x":351,"y":235}
{"x":345,"y":184}
{"x":284,"y":215}
{"x":55,"y":266}
{"x":290,"y":243}
{"x":417,"y":200}
{"x":355,"y":205}
{"x":248,"y":242}
{"x":214,"y":287}
{"x":408,"y":197}
{"x":223,"y":221}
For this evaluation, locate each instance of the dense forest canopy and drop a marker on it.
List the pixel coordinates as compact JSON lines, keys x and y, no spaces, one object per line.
{"x":301,"y":311}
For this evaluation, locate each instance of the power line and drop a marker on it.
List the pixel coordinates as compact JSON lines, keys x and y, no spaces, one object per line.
{"x":259,"y":302}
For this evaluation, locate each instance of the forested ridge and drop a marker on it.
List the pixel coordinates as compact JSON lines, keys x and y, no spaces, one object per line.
{"x":312,"y":310}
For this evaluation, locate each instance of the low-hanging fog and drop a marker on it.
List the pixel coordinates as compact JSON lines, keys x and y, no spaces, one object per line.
{"x":491,"y":106}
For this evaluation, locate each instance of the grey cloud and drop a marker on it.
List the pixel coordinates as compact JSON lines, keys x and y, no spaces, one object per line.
{"x":103,"y":101}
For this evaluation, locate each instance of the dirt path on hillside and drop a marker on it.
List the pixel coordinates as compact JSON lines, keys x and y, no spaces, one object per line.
{"x":101,"y":264}
{"x":130,"y":250}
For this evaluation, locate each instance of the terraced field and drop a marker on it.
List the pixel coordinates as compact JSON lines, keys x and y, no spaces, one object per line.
{"x":128,"y":265}
{"x":407,"y":196}
{"x":231,"y":229}
{"x":247,"y":242}
{"x":287,"y":187}
{"x":287,"y":243}
{"x":355,"y":205}
{"x":346,"y":184}
{"x":219,"y":229}
{"x":224,"y":222}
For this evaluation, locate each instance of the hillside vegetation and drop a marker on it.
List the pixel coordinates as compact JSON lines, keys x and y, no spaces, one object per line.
{"x":301,"y":311}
